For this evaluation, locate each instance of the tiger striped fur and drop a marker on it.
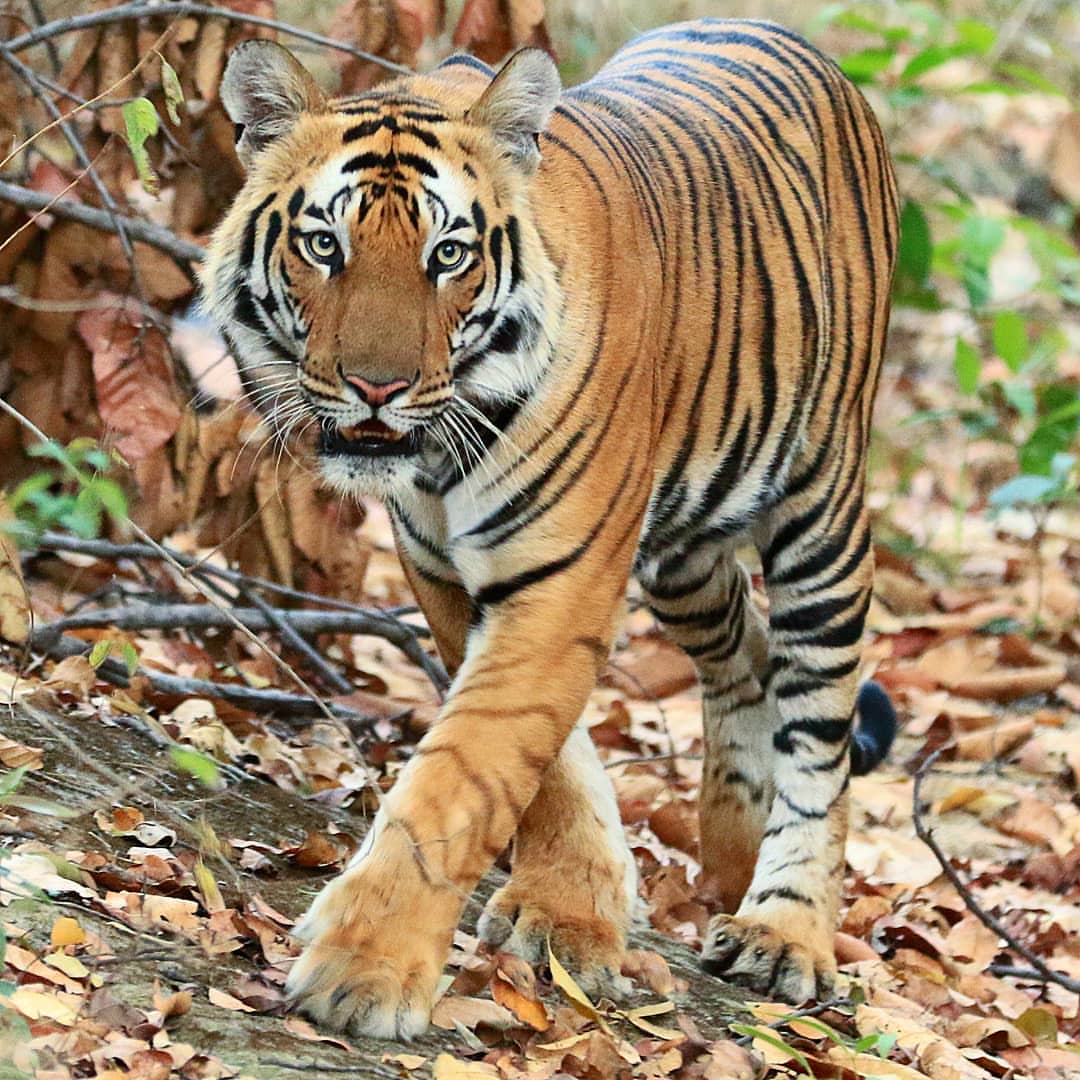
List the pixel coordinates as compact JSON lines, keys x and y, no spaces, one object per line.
{"x":567,"y":337}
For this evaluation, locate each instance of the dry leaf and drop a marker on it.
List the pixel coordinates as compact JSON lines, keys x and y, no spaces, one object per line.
{"x":448,"y":1068}
{"x":14,"y":755}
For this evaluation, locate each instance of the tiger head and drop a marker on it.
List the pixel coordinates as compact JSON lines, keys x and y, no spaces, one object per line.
{"x":380,"y":278}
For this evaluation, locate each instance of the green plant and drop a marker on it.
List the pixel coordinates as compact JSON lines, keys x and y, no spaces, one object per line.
{"x":1006,"y":367}
{"x":74,"y":492}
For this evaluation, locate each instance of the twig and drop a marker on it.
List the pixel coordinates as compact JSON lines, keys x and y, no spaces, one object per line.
{"x":205,"y":617}
{"x":143,"y":231}
{"x":839,"y":1004}
{"x":141,"y":9}
{"x":926,"y":835}
{"x":247,"y":697}
{"x":383,"y":624}
{"x":333,"y":678}
{"x":33,"y":81}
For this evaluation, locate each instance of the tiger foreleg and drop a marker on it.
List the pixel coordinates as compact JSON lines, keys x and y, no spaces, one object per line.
{"x":574,"y":880}
{"x":377,"y":937}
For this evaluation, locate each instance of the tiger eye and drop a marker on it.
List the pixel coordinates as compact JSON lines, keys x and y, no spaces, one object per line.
{"x":321,"y":245}
{"x":449,"y":254}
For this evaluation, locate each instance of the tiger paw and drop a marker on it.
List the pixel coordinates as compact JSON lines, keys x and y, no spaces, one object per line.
{"x":789,"y":965}
{"x":590,"y":946}
{"x":365,"y":969}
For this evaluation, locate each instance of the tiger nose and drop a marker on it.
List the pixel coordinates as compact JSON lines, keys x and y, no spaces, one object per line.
{"x":376,"y":394}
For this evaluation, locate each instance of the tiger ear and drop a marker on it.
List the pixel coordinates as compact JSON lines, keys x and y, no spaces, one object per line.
{"x":264,"y":91}
{"x":517,"y":104}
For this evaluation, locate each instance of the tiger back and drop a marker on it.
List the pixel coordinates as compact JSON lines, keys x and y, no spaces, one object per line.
{"x":567,"y":338}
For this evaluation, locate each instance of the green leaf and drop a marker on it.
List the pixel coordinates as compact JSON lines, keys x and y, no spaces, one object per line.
{"x":977,"y":37}
{"x":32,"y":804}
{"x":203,"y":768}
{"x":968,"y":365}
{"x":773,"y":1040}
{"x":113,"y":498}
{"x":916,"y":246}
{"x":862,"y":66}
{"x":1022,"y":489}
{"x":100,"y":653}
{"x":1032,"y":78}
{"x":174,"y":92}
{"x":1011,"y":339}
{"x":929,"y":58}
{"x":141,"y":122}
{"x":131,"y":658}
{"x":11,"y":780}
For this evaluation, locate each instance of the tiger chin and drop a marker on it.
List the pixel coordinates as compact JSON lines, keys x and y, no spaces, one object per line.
{"x":570,"y":337}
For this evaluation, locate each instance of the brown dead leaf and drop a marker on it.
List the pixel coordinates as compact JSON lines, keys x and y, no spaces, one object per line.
{"x":73,"y":676}
{"x":449,"y":1068}
{"x":137,"y":394}
{"x":450,"y":1011}
{"x":14,"y":755}
{"x":304,"y":1029}
{"x":996,"y":742}
{"x":15,"y":612}
{"x":1008,"y":684}
{"x":225,"y":1000}
{"x":527,"y":1010}
{"x":492,"y":28}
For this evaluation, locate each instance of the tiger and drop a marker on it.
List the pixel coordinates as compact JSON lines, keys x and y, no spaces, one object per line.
{"x":630,"y":330}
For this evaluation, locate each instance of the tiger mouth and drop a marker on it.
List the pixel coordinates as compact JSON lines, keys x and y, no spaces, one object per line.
{"x":372,"y":438}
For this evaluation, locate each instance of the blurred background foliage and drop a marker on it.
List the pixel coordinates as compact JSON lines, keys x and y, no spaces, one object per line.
{"x":98,"y":340}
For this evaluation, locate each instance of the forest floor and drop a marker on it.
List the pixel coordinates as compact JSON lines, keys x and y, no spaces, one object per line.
{"x":147,"y":914}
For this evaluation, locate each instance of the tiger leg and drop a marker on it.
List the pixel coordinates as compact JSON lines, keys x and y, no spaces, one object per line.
{"x":710,"y":614}
{"x":818,"y":570}
{"x":574,"y":880}
{"x":378,"y":935}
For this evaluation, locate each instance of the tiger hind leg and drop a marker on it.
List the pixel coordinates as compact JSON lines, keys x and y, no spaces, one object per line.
{"x":574,"y":880}
{"x":704,"y":606}
{"x":818,"y":570}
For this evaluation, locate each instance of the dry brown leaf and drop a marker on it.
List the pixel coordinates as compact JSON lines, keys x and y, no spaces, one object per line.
{"x":492,"y":28}
{"x":15,"y":614}
{"x":225,"y":1000}
{"x":304,"y":1029}
{"x":137,"y":394}
{"x":451,"y":1010}
{"x":450,"y":1068}
{"x":14,"y":755}
{"x":74,"y":676}
{"x":996,"y":742}
{"x":1008,"y":684}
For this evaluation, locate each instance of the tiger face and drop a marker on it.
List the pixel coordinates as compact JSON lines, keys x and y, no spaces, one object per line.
{"x":371,"y":277}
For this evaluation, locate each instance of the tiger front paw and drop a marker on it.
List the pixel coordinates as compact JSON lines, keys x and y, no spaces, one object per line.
{"x":789,"y":964}
{"x":372,"y":960}
{"x":587,"y":942}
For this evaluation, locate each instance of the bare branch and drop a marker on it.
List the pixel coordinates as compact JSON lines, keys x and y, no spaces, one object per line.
{"x":382,"y":624}
{"x":206,"y":617}
{"x":246,"y":697}
{"x":1045,"y":973}
{"x":142,"y":231}
{"x":140,"y":9}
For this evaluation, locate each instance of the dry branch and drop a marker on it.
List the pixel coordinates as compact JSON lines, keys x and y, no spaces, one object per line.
{"x":143,"y":231}
{"x":1041,"y":971}
{"x":378,"y":623}
{"x":246,"y":697}
{"x":140,"y":9}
